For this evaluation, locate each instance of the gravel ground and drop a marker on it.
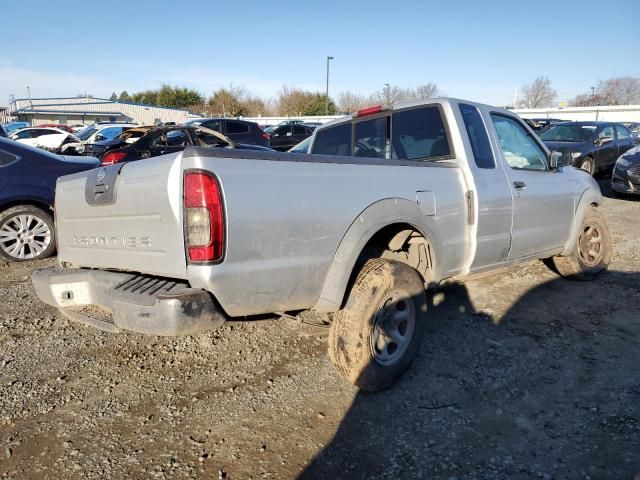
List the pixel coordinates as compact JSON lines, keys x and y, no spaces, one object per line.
{"x":521,"y":375}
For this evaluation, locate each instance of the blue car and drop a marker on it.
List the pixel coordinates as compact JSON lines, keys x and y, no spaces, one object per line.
{"x":13,"y":126}
{"x":27,"y":189}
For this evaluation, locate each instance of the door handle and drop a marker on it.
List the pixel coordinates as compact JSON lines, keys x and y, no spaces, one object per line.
{"x":519,"y":185}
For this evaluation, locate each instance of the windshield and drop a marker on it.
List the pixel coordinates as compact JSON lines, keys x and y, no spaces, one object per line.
{"x":85,"y":133}
{"x":569,"y":133}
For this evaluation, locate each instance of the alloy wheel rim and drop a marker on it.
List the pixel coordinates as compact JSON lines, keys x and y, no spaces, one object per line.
{"x":590,"y":245}
{"x":24,"y":236}
{"x":393,"y":327}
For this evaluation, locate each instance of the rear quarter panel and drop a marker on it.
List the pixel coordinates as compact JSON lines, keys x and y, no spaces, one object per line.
{"x":286,"y":219}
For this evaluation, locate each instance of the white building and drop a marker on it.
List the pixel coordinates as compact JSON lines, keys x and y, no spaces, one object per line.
{"x":87,"y":110}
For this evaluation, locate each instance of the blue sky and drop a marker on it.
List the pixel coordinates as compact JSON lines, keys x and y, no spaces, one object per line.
{"x":479,"y":50}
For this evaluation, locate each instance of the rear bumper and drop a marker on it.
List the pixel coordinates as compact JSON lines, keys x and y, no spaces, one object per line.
{"x":115,"y":301}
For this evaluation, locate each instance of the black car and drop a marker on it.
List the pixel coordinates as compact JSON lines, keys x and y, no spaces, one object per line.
{"x":239,"y":131}
{"x":163,"y":140}
{"x":128,"y":136}
{"x":286,"y":136}
{"x":634,"y":127}
{"x":27,"y":189}
{"x":593,"y":146}
{"x":626,"y":173}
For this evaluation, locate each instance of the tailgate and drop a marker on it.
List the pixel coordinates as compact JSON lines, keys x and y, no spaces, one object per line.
{"x":124,"y":217}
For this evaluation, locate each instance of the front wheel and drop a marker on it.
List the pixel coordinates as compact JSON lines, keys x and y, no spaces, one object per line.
{"x":375,"y":337}
{"x":591,"y":254}
{"x":26,"y":233}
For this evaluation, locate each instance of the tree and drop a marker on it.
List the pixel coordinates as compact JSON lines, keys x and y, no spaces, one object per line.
{"x":349,"y":102}
{"x":619,"y":90}
{"x":587,"y":100}
{"x":177,"y":97}
{"x":229,"y":102}
{"x":538,"y":94}
{"x":428,"y":90}
{"x":113,"y":97}
{"x":124,"y":96}
{"x":391,"y":94}
{"x":293,"y":101}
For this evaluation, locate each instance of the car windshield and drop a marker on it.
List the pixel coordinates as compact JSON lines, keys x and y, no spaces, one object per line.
{"x":86,"y":132}
{"x":568,"y":133}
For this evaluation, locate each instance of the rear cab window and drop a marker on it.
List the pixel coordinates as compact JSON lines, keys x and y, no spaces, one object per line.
{"x":333,"y":141}
{"x":416,"y":133}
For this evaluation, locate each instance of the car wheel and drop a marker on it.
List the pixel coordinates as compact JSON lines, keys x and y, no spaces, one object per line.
{"x":591,"y":253}
{"x":588,"y":165}
{"x":375,"y":337}
{"x":26,"y":233}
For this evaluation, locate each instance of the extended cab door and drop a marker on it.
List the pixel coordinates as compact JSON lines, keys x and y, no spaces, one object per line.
{"x":492,"y":192}
{"x":543,"y":200}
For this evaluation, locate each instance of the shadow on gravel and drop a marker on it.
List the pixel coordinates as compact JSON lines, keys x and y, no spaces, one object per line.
{"x":550,"y":390}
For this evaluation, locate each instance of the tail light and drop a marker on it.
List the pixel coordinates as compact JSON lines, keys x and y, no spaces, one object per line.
{"x":112,"y":157}
{"x":265,"y":136}
{"x":368,"y":111}
{"x":203,"y":217}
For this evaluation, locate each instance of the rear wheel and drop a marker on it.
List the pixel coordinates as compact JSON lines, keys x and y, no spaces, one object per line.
{"x":375,"y":337}
{"x":588,"y":165}
{"x":591,"y":254}
{"x":26,"y":233}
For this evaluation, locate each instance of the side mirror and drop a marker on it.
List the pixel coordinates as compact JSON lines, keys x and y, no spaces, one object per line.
{"x":559,"y":159}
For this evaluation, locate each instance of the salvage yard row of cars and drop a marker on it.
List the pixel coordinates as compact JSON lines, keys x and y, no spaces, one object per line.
{"x":420,"y":193}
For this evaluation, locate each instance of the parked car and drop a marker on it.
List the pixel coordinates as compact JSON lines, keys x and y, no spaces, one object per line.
{"x":286,"y":136}
{"x":27,"y":187}
{"x":239,"y":131}
{"x":392,"y":201}
{"x":59,"y":126}
{"x":3,"y":132}
{"x":593,"y":146}
{"x":162,"y":140}
{"x":78,"y":126}
{"x":626,"y":173}
{"x":542,"y":123}
{"x":95,"y":133}
{"x":43,"y":137}
{"x":13,"y":126}
{"x":634,"y":127}
{"x":302,"y":147}
{"x":127,"y":137}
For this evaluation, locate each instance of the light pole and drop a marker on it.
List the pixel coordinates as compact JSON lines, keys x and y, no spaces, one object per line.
{"x":593,"y":91}
{"x":387,"y":94}
{"x":326,"y":104}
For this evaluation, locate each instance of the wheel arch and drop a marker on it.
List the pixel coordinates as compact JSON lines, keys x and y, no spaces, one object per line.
{"x":33,"y":202}
{"x":389,"y":219}
{"x":589,"y":198}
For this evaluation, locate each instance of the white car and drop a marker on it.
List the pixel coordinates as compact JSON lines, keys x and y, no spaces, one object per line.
{"x":95,"y":133}
{"x":43,"y":137}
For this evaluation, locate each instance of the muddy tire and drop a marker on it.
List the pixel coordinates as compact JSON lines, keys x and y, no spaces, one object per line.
{"x":375,"y":337}
{"x":26,"y":233}
{"x":591,"y":253}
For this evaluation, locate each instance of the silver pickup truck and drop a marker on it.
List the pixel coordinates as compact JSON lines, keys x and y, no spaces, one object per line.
{"x":388,"y":203}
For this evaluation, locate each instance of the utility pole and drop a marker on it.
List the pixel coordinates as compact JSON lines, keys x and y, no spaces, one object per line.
{"x":387,"y":95}
{"x":593,"y":92}
{"x":326,"y":104}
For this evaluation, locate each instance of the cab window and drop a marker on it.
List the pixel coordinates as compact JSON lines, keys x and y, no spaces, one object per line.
{"x":370,"y":138}
{"x":520,"y":150}
{"x":419,"y":133}
{"x":333,"y":141}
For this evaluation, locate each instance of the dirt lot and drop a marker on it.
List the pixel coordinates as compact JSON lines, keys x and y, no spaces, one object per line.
{"x":521,"y":375}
